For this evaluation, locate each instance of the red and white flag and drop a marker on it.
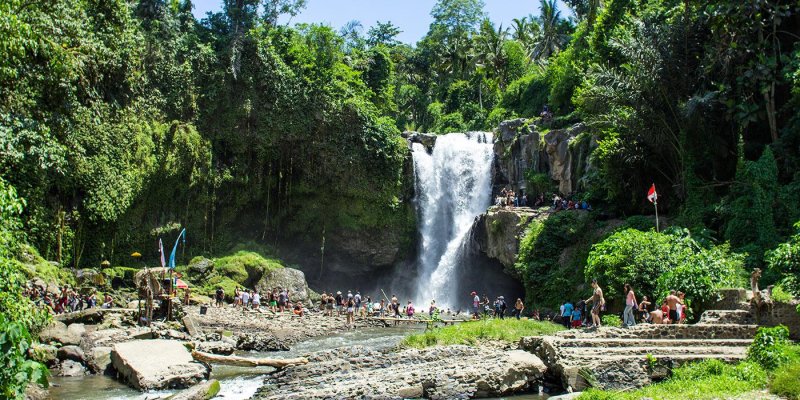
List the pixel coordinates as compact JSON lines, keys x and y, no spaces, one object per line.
{"x":652,"y":195}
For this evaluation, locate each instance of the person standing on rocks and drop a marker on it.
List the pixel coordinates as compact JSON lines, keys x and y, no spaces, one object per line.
{"x":256,"y":300}
{"x":245,"y":299}
{"x":220,"y":295}
{"x":518,"y":307}
{"x":357,"y":299}
{"x":629,"y":319}
{"x":330,"y":304}
{"x":283,"y":300}
{"x":410,"y":310}
{"x":351,"y":313}
{"x":672,"y":302}
{"x":476,"y":301}
{"x":339,"y":303}
{"x":566,"y":314}
{"x":597,"y":303}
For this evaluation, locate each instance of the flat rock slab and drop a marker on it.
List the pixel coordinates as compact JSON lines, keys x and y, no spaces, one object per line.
{"x":157,"y":364}
{"x":447,"y":372}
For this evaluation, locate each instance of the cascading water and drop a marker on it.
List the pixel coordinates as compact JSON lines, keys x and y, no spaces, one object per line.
{"x":453,"y":186}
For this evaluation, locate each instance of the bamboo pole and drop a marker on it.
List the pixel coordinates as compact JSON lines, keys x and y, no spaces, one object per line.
{"x":247,"y":362}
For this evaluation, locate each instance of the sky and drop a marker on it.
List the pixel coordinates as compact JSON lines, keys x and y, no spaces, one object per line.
{"x":412,"y":16}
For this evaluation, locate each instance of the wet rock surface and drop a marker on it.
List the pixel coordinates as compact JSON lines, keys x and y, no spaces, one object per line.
{"x":447,"y":372}
{"x":157,"y":364}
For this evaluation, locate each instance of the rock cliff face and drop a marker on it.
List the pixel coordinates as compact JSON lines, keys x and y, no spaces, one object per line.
{"x":563,"y":154}
{"x":497,"y":233}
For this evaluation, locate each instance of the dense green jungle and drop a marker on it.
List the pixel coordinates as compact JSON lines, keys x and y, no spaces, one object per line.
{"x":123,"y":121}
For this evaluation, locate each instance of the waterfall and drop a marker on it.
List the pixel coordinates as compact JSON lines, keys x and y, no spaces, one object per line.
{"x":453,"y":186}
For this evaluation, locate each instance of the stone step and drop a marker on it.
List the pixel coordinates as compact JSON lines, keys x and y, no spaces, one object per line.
{"x":678,"y":358}
{"x":654,"y":350}
{"x":725,"y":317}
{"x":650,"y":331}
{"x":617,"y":342}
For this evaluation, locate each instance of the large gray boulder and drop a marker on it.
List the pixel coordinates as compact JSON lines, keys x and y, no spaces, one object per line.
{"x":442,"y":372}
{"x":59,"y":332}
{"x":71,"y":352}
{"x":289,"y":278}
{"x":69,"y":368}
{"x":200,"y":267}
{"x":157,"y":364}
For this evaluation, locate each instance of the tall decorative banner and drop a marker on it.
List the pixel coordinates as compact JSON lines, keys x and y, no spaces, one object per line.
{"x":175,"y":249}
{"x":161,"y":252}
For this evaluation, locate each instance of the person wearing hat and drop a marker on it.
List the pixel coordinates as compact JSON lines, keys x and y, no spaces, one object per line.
{"x":476,"y":302}
{"x":339,"y":303}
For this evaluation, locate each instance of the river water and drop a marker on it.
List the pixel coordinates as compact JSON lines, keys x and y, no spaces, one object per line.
{"x":236,"y":383}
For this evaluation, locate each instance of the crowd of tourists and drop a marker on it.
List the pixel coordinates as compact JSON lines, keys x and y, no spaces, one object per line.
{"x":68,"y":299}
{"x":276,"y":301}
{"x":509,"y":198}
{"x":497,"y":308}
{"x":560,"y":204}
{"x":587,"y":313}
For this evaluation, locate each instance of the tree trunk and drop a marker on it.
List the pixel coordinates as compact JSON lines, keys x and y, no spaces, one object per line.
{"x":247,"y":362}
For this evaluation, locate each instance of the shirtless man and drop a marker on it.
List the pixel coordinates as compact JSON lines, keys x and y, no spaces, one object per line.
{"x":672,"y":303}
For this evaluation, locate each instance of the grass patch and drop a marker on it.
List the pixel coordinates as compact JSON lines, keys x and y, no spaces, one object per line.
{"x":786,"y":382}
{"x":710,"y":379}
{"x":470,"y":333}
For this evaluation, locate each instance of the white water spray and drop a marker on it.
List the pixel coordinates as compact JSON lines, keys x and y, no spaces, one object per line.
{"x":453,"y":186}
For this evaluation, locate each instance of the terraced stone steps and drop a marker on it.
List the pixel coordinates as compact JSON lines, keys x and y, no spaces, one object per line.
{"x":617,"y":358}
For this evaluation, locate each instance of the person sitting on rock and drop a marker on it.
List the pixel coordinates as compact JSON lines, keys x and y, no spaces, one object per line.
{"x":298,"y":309}
{"x":643,"y":305}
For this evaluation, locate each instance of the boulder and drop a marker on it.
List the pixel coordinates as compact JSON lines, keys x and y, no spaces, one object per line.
{"x":216,"y":347}
{"x":59,"y":332}
{"x":442,"y":372}
{"x":498,"y":232}
{"x":35,"y":392}
{"x":88,"y":316}
{"x":157,"y":364}
{"x":99,"y":359}
{"x":200,"y":267}
{"x":202,"y":391}
{"x":43,"y":353}
{"x":428,"y":140}
{"x":90,"y":277}
{"x":289,"y":278}
{"x":71,"y":352}
{"x":69,"y":368}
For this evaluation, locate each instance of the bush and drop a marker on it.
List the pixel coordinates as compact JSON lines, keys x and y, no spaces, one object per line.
{"x":786,"y":381}
{"x":612,"y":320}
{"x":679,"y":262}
{"x":17,"y":371}
{"x":770,"y":347}
{"x":785,"y":261}
{"x":780,"y":295}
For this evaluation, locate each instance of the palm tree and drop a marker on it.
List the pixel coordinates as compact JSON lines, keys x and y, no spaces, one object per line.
{"x":526,"y":31}
{"x":489,"y":51}
{"x":552,"y":37}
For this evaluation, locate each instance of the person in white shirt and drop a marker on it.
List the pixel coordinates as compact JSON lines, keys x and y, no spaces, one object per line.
{"x":256,"y":300}
{"x":245,"y":299}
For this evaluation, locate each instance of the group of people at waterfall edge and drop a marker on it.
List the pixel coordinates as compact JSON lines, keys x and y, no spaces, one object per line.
{"x":277,"y":300}
{"x":672,"y":310}
{"x":69,"y":299}
{"x":509,"y":198}
{"x":496,"y":309}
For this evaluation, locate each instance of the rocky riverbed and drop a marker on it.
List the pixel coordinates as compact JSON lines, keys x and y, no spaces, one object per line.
{"x":265,"y":331}
{"x":447,"y":372}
